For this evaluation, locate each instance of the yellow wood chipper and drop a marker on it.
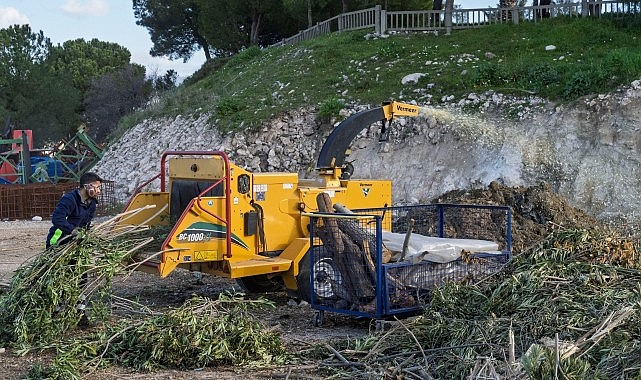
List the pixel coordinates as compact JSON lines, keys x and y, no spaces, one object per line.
{"x":254,"y":227}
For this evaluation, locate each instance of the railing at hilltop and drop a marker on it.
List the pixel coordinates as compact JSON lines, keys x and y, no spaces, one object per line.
{"x":447,"y":20}
{"x":366,"y":18}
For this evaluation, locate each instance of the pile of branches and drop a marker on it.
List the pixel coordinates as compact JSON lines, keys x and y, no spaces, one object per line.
{"x":51,"y":295}
{"x":201,"y":333}
{"x":567,"y":308}
{"x":48,"y":295}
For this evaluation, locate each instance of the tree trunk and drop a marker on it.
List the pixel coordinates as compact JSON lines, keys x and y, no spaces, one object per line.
{"x":434,"y":17}
{"x":205,"y":47}
{"x":257,"y":19}
{"x":309,"y":13}
{"x":345,"y":6}
{"x":359,"y":278}
{"x":449,"y":8}
{"x":544,"y":13}
{"x":593,"y":9}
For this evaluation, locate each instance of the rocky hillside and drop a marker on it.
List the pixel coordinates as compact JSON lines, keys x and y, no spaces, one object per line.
{"x":587,"y":151}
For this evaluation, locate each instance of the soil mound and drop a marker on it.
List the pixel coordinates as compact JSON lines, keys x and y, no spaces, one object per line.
{"x":536,"y":210}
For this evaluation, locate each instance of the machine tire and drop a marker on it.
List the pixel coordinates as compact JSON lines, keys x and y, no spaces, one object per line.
{"x":325,"y":269}
{"x":259,"y":284}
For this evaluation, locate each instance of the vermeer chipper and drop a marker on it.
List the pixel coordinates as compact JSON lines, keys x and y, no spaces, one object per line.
{"x":255,"y":227}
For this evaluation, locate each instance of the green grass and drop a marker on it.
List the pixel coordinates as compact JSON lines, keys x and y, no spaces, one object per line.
{"x":591,"y":56}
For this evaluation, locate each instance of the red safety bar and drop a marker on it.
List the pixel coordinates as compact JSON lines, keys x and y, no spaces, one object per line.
{"x":226,"y":178}
{"x":137,"y":190}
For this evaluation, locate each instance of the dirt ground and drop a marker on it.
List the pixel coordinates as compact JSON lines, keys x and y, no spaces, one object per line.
{"x":22,"y":240}
{"x":536,"y":211}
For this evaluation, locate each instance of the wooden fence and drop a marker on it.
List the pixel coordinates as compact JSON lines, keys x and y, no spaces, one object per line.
{"x":448,"y":20}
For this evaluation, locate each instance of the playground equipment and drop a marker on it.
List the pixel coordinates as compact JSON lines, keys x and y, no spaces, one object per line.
{"x":65,"y":162}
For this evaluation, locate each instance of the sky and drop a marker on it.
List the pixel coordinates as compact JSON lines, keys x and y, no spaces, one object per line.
{"x":106,"y":20}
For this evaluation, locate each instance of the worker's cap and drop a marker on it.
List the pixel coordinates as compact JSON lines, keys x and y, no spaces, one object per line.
{"x":90,"y":177}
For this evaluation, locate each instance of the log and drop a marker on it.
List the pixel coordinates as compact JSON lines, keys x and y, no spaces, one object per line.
{"x":386,"y":254}
{"x":354,"y":261}
{"x":367,"y":241}
{"x":341,"y":290}
{"x":342,"y":209}
{"x":391,"y":280}
{"x":347,"y":256}
{"x":360,"y":234}
{"x":331,"y":225}
{"x":407,"y":239}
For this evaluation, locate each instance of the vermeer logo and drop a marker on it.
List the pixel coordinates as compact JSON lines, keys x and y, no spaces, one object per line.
{"x":403,"y":108}
{"x":365,"y":191}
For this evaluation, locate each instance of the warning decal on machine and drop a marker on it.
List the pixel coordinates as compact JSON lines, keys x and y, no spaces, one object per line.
{"x":206,"y":255}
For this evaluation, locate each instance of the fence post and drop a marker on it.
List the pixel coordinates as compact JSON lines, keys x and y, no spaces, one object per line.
{"x":515,"y":15}
{"x":377,"y":19}
{"x":584,"y":8}
{"x":383,"y":21}
{"x":449,"y":5}
{"x":340,"y":22}
{"x":26,"y":159}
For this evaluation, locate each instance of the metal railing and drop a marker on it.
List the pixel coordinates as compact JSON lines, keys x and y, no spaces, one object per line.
{"x":363,"y":19}
{"x":448,"y":20}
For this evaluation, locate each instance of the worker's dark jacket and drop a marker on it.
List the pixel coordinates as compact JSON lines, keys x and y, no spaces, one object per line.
{"x":70,"y":213}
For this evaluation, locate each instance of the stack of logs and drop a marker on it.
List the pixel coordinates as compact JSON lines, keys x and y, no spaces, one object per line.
{"x":353,"y":251}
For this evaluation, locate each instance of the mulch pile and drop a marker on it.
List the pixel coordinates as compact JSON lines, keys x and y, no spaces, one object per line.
{"x":536,"y":210}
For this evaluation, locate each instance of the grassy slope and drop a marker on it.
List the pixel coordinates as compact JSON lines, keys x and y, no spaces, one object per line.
{"x":591,"y":56}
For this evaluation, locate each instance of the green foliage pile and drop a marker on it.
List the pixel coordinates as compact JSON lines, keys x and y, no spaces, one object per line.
{"x":41,"y":311}
{"x":42,"y":302}
{"x":201,"y":333}
{"x":592,"y":55}
{"x":569,"y":306}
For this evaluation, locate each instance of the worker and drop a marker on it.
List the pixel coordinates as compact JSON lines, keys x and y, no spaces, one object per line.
{"x":75,"y":210}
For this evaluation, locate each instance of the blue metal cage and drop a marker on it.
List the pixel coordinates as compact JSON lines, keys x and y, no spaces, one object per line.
{"x":355,"y":272}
